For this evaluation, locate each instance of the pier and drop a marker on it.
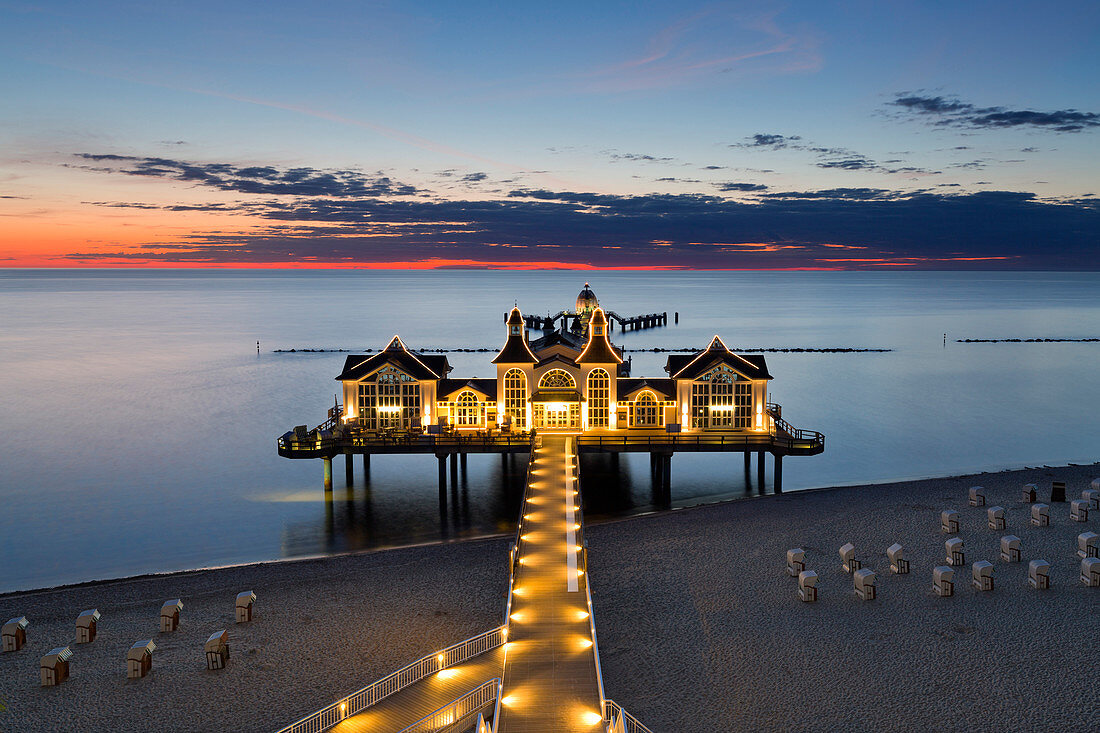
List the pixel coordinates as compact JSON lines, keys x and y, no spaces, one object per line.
{"x":562,"y":395}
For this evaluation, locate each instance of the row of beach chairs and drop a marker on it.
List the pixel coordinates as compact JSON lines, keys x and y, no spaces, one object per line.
{"x":1040,"y":513}
{"x":54,"y":666}
{"x":943,"y":576}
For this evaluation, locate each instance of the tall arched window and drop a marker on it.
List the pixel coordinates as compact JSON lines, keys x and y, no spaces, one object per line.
{"x":389,"y":399}
{"x":557,"y":379}
{"x":645,"y":411}
{"x":468,"y":410}
{"x":599,"y":398}
{"x":515,"y":397}
{"x":721,"y":398}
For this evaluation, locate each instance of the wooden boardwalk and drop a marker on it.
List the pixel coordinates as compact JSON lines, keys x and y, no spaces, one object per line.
{"x":402,"y":709}
{"x":551,"y":678}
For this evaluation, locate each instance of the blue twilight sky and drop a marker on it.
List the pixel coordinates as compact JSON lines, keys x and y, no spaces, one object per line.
{"x":729,"y":134}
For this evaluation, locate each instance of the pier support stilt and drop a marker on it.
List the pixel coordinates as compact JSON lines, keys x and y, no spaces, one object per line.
{"x":666,"y":475}
{"x":463,"y":460}
{"x":748,"y":463}
{"x":328,"y":473}
{"x":777,"y":475}
{"x":366,"y":466}
{"x":349,"y":469}
{"x":760,"y":472}
{"x":442,"y":474}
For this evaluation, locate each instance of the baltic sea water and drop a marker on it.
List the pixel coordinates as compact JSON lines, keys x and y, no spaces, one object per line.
{"x":139,"y":422}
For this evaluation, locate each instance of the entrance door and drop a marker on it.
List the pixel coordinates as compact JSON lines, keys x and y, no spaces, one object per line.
{"x":557,"y":415}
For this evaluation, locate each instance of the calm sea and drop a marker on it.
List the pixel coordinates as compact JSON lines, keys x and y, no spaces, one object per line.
{"x":139,"y":422}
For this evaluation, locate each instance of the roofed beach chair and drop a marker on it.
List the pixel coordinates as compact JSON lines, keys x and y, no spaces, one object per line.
{"x":898,"y":564}
{"x":807,"y":586}
{"x":1030,"y":493}
{"x":1088,"y":545}
{"x":1092,"y":496}
{"x":977,"y":496}
{"x":996,"y":517}
{"x":864,"y":582}
{"x":1079,"y":510}
{"x":1010,"y":548}
{"x":170,"y":615}
{"x":14,"y":633}
{"x":982,"y":572}
{"x":956,"y":554}
{"x":848,"y":559}
{"x":1038,"y":574}
{"x":1090,"y":572}
{"x":796,"y":561}
{"x":943,"y":581}
{"x":949,"y":521}
{"x":1040,"y":515}
{"x":86,"y":624}
{"x":53,"y":669}
{"x":217,"y":650}
{"x":243,"y":606}
{"x":139,"y":659}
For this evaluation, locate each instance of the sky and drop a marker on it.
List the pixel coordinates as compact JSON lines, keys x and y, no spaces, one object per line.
{"x":728,"y":135}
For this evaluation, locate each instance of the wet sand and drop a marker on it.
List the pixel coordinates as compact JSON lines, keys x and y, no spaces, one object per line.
{"x":699,"y":626}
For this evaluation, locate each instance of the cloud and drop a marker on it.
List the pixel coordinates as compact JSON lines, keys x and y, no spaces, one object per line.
{"x":254,"y":179}
{"x":475,"y":177}
{"x":949,"y":111}
{"x":849,"y":164}
{"x":803,"y":229}
{"x":768,"y":140}
{"x":741,"y":187}
{"x":640,"y":157}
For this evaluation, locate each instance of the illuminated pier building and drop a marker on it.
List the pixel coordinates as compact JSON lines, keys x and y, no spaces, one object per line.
{"x":568,"y":378}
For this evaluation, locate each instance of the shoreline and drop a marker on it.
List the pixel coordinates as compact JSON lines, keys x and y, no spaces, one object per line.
{"x":600,"y":520}
{"x":692,"y":605}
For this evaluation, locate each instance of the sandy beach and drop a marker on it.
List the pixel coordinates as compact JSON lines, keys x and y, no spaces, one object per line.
{"x":699,"y":626}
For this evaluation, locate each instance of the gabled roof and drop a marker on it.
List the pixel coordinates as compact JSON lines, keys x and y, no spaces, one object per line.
{"x":452,"y":387}
{"x":418,"y":366}
{"x":555,"y":338}
{"x":690,"y":366}
{"x":556,"y":356}
{"x":665,"y":388}
{"x":516,"y":350}
{"x":599,"y":349}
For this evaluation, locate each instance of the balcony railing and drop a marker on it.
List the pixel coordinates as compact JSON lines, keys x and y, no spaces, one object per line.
{"x":612,"y":711}
{"x":458,"y":715}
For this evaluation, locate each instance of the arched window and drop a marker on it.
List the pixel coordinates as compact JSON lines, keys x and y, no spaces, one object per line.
{"x":468,"y":409}
{"x":515,"y":397}
{"x":721,"y":398}
{"x":389,"y":399}
{"x":645,"y":411}
{"x":599,"y":398}
{"x":557,"y":379}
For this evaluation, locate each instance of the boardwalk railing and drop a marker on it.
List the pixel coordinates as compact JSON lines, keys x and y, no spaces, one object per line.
{"x":776,"y":413}
{"x":359,"y":701}
{"x":800,"y":439}
{"x":612,"y":710}
{"x":401,"y":440}
{"x":575,"y":473}
{"x":454,"y":716}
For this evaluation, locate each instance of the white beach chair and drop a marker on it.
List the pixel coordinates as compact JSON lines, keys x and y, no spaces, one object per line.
{"x":956,"y":555}
{"x":848,"y":558}
{"x":14,"y":633}
{"x":943,"y":581}
{"x":1040,"y":515}
{"x":996,"y":517}
{"x":1092,"y":496}
{"x":139,"y":659}
{"x":217,"y":650}
{"x":982,"y":572}
{"x":86,"y":624}
{"x":53,"y":669}
{"x":1090,"y":572}
{"x":898,"y":563}
{"x":1010,"y":548}
{"x":949,"y":521}
{"x":864,"y":582}
{"x":1038,"y":574}
{"x":170,"y":616}
{"x":1031,"y":491}
{"x":977,"y":496}
{"x":796,"y":561}
{"x":242,"y":606}
{"x":1079,"y":510}
{"x":1088,"y":545}
{"x":807,"y":586}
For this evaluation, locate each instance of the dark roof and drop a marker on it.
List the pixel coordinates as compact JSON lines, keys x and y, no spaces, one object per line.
{"x":557,"y":337}
{"x":515,"y":318}
{"x":450,"y":386}
{"x":418,"y":366}
{"x":586,"y":293}
{"x":663,"y":387}
{"x":690,"y":366}
{"x":599,"y":349}
{"x":556,"y":357}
